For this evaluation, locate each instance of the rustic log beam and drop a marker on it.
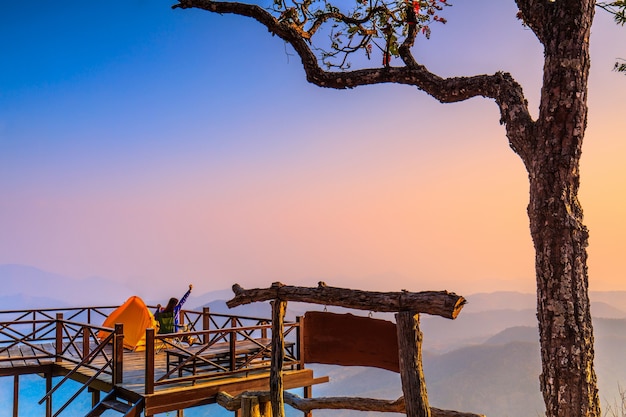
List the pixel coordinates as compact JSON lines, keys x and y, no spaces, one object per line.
{"x":336,"y":403}
{"x":438,"y":303}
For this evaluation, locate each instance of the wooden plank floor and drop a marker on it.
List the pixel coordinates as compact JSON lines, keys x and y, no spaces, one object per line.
{"x":27,"y":359}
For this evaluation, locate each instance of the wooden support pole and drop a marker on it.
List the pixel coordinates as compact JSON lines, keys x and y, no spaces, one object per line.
{"x":278,"y":353}
{"x":95,"y":396}
{"x":411,"y":372}
{"x":16,"y":395}
{"x":149,"y":371}
{"x":265,"y":407}
{"x":250,"y":406}
{"x":48,"y":389}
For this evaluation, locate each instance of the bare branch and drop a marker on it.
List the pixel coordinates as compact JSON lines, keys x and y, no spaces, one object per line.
{"x":500,"y":87}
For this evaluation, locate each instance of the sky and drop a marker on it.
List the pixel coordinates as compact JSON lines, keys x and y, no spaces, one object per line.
{"x":159,"y":147}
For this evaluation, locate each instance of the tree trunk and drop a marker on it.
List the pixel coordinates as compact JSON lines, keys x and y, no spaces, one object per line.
{"x":568,"y":380}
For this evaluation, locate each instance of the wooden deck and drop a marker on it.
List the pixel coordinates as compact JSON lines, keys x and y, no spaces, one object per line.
{"x":170,"y":378}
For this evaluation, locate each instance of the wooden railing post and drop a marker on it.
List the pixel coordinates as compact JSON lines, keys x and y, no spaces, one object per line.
{"x":411,"y":372}
{"x":233,"y":343}
{"x":86,"y":347}
{"x":149,"y":377}
{"x":118,"y":354}
{"x":59,"y":337}
{"x":278,"y":357}
{"x":206,"y":324}
{"x":300,"y":341}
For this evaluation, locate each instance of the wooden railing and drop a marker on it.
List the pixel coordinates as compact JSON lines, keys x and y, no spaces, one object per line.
{"x":78,"y":338}
{"x":46,"y":334}
{"x":61,"y":326}
{"x":229,"y":350}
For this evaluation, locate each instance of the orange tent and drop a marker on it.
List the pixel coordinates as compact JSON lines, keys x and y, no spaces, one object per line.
{"x":136,"y":318}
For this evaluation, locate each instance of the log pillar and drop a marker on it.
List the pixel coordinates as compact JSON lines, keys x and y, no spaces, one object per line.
{"x":411,"y":371}
{"x":278,"y":353}
{"x":250,"y":406}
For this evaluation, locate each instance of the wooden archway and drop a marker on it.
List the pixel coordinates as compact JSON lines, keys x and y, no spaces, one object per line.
{"x":406,"y":305}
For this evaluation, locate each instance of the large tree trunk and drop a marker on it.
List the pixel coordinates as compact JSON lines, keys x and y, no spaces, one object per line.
{"x":568,"y":380}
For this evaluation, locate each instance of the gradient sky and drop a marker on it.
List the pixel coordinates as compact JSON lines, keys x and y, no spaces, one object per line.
{"x":156,"y":146}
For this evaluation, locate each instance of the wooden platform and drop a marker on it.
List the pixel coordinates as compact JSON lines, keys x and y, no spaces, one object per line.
{"x":28,"y":359}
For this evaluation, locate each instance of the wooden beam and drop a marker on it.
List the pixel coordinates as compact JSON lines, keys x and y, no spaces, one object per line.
{"x":232,"y":403}
{"x":203,"y":394}
{"x":438,"y":303}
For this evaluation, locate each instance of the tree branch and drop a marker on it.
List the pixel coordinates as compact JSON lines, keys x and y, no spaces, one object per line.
{"x":500,"y":87}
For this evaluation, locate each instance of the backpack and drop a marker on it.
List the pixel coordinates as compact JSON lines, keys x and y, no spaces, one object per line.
{"x":166,"y":322}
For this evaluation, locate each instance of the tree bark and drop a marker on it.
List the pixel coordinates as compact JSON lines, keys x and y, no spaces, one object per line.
{"x":568,"y":380}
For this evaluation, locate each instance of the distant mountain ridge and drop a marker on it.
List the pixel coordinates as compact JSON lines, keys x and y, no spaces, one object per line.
{"x":485,"y":361}
{"x":27,"y":284}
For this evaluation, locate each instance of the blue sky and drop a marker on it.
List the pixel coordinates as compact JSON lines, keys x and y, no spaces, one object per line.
{"x":145,"y":144}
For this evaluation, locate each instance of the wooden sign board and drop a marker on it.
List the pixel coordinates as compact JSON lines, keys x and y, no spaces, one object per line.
{"x":349,"y":340}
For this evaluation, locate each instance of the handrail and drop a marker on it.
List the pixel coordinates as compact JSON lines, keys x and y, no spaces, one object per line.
{"x":87,"y":354}
{"x":74,"y":338}
{"x":27,"y":323}
{"x":202,"y":366}
{"x":83,"y":362}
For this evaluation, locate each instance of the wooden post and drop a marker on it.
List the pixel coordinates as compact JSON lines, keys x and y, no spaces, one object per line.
{"x":266,"y":408}
{"x":300,"y":341}
{"x":118,"y":354}
{"x":149,"y":373}
{"x":86,"y":347}
{"x":278,"y":353}
{"x":233,"y":344}
{"x":206,"y":324}
{"x":16,"y":395}
{"x":95,"y":396}
{"x":59,"y":337}
{"x":411,"y":372}
{"x":250,"y":406}
{"x":307,"y":392}
{"x":48,"y":389}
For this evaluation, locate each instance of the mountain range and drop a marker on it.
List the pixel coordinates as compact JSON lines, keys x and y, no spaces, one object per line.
{"x":486,"y":361}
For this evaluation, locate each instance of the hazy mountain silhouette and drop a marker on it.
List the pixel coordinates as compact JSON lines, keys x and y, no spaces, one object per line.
{"x":28,"y":284}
